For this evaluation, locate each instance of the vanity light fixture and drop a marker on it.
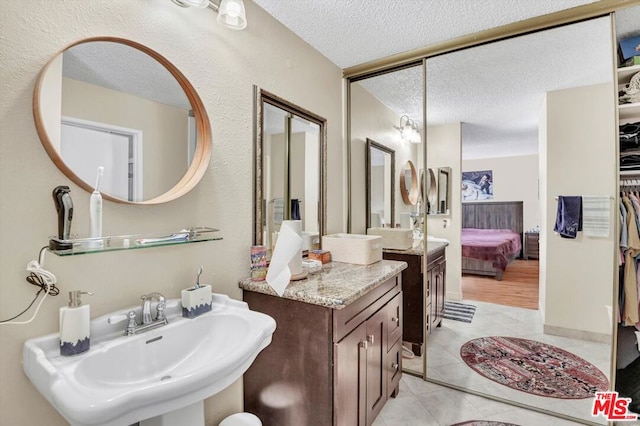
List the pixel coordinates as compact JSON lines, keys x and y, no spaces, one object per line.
{"x":409,"y":131}
{"x":416,"y":134}
{"x":231,"y":13}
{"x":200,"y":4}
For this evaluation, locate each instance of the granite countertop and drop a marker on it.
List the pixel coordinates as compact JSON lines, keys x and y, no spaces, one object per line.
{"x":336,"y":286}
{"x":432,"y":247}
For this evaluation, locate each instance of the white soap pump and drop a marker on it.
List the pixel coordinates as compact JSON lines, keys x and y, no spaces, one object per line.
{"x":95,"y":208}
{"x":75,"y":325}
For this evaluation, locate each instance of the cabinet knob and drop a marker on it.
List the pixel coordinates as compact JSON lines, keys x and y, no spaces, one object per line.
{"x":396,"y":320}
{"x":395,"y":366}
{"x":370,"y":338}
{"x":364,"y":344}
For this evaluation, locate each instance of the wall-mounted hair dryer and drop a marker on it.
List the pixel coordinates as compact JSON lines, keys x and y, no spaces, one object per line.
{"x":64,"y":208}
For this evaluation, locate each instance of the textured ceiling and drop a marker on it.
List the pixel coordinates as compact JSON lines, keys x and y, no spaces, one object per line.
{"x":350,"y":32}
{"x":125,"y":69}
{"x":496,"y":90}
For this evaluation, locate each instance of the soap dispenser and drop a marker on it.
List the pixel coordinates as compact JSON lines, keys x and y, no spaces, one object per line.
{"x":75,"y":324}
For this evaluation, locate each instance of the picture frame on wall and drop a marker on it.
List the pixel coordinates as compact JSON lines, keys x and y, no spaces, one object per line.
{"x":477,"y":185}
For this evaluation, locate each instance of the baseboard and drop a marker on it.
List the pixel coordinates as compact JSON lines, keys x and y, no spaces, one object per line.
{"x":577,"y":334}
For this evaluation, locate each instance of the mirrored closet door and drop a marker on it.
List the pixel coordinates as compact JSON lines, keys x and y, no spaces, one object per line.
{"x":525,"y":121}
{"x":380,"y":108}
{"x":533,"y":119}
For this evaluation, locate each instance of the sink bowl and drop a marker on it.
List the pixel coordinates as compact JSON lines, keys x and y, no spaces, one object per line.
{"x":125,"y":379}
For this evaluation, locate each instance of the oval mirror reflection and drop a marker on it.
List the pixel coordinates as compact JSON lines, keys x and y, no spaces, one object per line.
{"x":119,"y":105}
{"x":409,"y":184}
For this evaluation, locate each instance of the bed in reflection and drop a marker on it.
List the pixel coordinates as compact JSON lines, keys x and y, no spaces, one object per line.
{"x":491,"y":236}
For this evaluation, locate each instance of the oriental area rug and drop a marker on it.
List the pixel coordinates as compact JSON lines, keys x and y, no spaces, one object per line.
{"x":533,"y":367}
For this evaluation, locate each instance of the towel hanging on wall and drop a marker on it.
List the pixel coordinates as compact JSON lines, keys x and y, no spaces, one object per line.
{"x":568,"y":216}
{"x":596,"y":217}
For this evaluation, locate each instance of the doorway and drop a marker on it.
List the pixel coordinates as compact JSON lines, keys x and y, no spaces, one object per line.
{"x":86,"y":145}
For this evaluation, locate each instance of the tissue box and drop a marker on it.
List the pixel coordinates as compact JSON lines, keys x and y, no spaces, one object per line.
{"x":353,"y":248}
{"x":394,"y":238}
{"x":196,"y":301}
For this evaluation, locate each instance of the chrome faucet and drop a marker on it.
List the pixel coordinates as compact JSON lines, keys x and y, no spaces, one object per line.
{"x":146,"y":308}
{"x":147,"y":321}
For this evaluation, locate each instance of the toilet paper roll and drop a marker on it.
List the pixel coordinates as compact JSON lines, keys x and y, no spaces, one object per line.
{"x":286,"y":254}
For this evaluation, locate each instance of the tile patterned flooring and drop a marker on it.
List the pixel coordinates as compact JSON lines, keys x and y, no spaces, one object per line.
{"x":423,"y":403}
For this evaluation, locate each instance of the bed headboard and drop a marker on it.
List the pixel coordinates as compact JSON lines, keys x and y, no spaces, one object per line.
{"x":493,"y":215}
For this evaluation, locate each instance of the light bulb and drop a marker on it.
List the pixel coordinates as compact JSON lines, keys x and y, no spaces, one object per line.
{"x":231,"y":13}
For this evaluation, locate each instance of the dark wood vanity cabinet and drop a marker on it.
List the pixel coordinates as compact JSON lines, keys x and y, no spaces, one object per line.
{"x":327,"y":366}
{"x":421,"y":305}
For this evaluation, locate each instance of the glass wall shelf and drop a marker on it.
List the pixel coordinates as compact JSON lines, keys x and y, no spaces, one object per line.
{"x":132,"y":242}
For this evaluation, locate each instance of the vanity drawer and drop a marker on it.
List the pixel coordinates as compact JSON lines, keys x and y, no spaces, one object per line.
{"x":394,"y":320}
{"x":347,"y":319}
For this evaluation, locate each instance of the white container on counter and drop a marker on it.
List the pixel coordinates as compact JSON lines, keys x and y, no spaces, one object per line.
{"x":353,"y":248}
{"x":394,"y":238}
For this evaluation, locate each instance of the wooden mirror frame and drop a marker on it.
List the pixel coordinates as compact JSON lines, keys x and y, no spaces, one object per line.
{"x":432,"y":191}
{"x":373,"y":144}
{"x":411,"y":195}
{"x":201,"y":156}
{"x":259,"y":208}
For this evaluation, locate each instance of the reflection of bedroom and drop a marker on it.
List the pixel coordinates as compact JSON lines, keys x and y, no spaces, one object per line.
{"x":520,"y":145}
{"x":520,"y":285}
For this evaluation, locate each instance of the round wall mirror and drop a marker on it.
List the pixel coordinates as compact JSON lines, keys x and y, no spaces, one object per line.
{"x":432,"y":190}
{"x":114,"y":103}
{"x":409,"y":184}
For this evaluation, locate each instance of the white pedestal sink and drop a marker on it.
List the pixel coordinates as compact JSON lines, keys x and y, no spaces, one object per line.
{"x":159,"y":377}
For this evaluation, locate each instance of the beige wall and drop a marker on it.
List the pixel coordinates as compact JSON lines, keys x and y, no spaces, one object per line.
{"x":514,"y":179}
{"x":164,"y":129}
{"x":444,"y":150}
{"x":580,"y":158}
{"x":222,"y":65}
{"x":372,"y":119}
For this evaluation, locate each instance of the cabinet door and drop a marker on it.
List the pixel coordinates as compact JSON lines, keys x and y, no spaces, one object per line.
{"x":441,"y":290}
{"x":434,"y":311}
{"x":350,"y":372}
{"x":376,"y":378}
{"x":429,"y":310}
{"x":393,"y":368}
